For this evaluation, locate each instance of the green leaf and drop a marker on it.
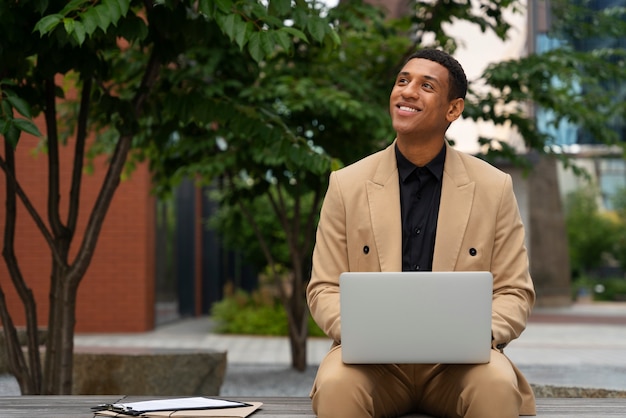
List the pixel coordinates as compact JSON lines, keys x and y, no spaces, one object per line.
{"x":272,"y":21}
{"x":335,"y":37}
{"x":224,"y":5}
{"x":280,"y":7}
{"x":7,"y":110}
{"x":230,"y":24}
{"x":296,"y":32}
{"x":206,"y":8}
{"x":71,"y":6}
{"x":69,"y":25}
{"x":12,"y":134}
{"x":90,"y":21}
{"x":242,"y":35}
{"x":79,"y":32}
{"x":124,"y":5}
{"x":254,"y":47}
{"x":317,"y":27}
{"x":48,"y":23}
{"x":283,"y":39}
{"x":103,"y":19}
{"x":26,"y":126}
{"x":114,"y":10}
{"x":20,"y":105}
{"x":267,"y":42}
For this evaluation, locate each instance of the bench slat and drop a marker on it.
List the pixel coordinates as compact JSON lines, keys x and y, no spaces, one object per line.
{"x":77,"y":406}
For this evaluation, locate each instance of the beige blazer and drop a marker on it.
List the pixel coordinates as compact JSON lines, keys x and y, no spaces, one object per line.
{"x":479,"y":228}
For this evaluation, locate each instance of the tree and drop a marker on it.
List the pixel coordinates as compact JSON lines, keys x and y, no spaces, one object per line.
{"x":323,"y":97}
{"x":565,"y":85}
{"x":315,"y":96}
{"x":116,"y":52}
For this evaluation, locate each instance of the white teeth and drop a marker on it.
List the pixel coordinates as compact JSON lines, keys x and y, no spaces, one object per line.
{"x":407,"y":109}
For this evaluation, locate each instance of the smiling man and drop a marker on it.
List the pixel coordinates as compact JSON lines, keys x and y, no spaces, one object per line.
{"x":443,"y":211}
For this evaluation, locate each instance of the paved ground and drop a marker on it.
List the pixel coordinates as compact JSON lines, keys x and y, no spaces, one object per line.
{"x":579,"y":346}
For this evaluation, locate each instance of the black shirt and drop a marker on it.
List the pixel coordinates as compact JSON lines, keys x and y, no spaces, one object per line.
{"x":420,"y":192}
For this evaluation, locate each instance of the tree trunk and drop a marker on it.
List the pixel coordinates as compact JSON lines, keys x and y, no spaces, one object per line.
{"x":298,"y":347}
{"x":298,"y":332}
{"x":60,"y":342}
{"x":550,"y":266}
{"x":300,"y":242}
{"x":297,"y":316}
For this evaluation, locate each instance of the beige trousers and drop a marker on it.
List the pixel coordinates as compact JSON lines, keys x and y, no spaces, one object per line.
{"x":392,"y":390}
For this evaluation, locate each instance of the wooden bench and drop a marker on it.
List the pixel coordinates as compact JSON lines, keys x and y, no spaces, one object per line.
{"x":78,"y":406}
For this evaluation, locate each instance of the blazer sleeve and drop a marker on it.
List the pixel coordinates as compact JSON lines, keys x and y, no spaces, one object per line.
{"x":513,"y":291}
{"x":330,"y":259}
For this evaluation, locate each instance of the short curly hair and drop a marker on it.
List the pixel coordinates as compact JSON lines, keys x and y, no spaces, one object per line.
{"x":457,"y":78}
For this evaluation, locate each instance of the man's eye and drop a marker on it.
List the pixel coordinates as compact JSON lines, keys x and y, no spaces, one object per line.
{"x":402,"y":81}
{"x":428,"y":85}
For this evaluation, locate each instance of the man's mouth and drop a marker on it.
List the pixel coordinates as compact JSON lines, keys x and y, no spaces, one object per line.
{"x":408,"y":109}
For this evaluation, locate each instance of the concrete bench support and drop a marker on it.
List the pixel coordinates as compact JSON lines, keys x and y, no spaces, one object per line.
{"x":155,"y":372}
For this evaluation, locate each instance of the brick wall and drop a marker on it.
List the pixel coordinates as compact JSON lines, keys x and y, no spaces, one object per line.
{"x":117,"y":292}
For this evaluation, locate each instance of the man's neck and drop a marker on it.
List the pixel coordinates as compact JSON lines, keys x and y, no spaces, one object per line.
{"x":419,"y":152}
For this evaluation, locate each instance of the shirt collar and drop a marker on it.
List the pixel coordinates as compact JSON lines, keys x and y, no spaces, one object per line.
{"x":435,"y":166}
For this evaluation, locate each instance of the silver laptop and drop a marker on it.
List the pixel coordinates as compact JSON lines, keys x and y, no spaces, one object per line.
{"x":416,"y":317}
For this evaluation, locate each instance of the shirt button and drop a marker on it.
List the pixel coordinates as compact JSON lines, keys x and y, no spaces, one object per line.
{"x":416,"y":267}
{"x":366,"y":249}
{"x":417,"y":231}
{"x":473,"y":251}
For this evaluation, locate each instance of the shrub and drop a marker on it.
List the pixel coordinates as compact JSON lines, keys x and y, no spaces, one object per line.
{"x":609,"y":290}
{"x":257,"y":313}
{"x":592,"y":235}
{"x":613,"y":289}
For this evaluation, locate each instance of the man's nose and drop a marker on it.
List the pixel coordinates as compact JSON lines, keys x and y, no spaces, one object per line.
{"x":410,"y":91}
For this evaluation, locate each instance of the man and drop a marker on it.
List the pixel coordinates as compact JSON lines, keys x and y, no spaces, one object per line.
{"x":421,"y":205}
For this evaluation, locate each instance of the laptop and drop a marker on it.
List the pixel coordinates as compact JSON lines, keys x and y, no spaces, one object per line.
{"x":416,"y":317}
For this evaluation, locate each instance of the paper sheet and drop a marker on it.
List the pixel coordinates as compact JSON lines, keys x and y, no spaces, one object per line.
{"x":238,"y":412}
{"x":176,"y":404}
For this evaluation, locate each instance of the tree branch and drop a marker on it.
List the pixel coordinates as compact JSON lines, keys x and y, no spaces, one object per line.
{"x":309,"y":228}
{"x":103,"y":202}
{"x":16,"y":356}
{"x":112,"y":178}
{"x":54,"y":193}
{"x":280,"y":209}
{"x":79,"y":156}
{"x":31,"y":210}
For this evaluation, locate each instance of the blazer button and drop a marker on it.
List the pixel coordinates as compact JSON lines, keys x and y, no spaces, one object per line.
{"x":473,"y":251}
{"x":366,"y":249}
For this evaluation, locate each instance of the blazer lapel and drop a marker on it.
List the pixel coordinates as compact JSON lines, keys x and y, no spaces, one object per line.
{"x":383,"y":194}
{"x":457,"y":195}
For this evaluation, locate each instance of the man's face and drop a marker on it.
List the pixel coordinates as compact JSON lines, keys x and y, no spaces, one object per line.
{"x":419,"y":102}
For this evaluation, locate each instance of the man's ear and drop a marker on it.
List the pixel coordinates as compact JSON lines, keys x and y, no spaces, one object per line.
{"x":455,"y":108}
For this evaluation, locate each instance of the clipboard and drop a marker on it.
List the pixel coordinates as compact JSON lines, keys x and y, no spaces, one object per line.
{"x":182,"y":408}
